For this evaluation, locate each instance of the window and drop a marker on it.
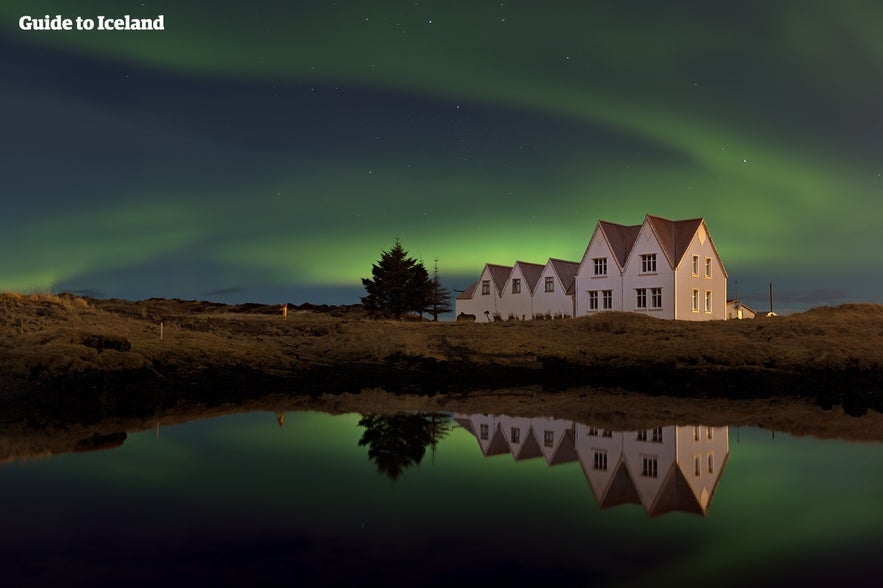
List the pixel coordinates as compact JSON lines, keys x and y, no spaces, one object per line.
{"x":548,"y":438}
{"x":516,"y":286}
{"x":607,"y":433}
{"x":641,"y":301}
{"x":657,"y":435}
{"x":648,"y":263}
{"x":642,"y":435}
{"x":607,"y":299}
{"x":593,"y":300}
{"x":707,"y":267}
{"x":696,"y":465}
{"x":709,"y":433}
{"x":695,"y":433}
{"x":485,"y":287}
{"x":599,"y":460}
{"x":695,"y":300}
{"x":695,"y":265}
{"x":484,"y":432}
{"x":710,"y":463}
{"x":649,"y":467}
{"x":516,"y":435}
{"x":656,"y":297}
{"x":600,"y":266}
{"x":550,"y":284}
{"x":708,"y":301}
{"x":592,"y":432}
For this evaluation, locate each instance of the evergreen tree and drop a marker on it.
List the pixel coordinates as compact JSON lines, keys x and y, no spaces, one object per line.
{"x":400,"y":283}
{"x":440,"y":301}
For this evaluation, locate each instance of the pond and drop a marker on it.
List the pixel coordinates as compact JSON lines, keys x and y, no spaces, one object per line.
{"x":314,"y":499}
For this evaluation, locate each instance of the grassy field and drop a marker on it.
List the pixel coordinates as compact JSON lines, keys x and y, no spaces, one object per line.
{"x":833,"y":356}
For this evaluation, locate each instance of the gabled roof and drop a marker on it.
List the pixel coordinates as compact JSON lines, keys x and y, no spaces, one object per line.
{"x":468,"y":292}
{"x":531,"y":273}
{"x":674,"y":236}
{"x":566,"y":450}
{"x":499,"y":273}
{"x":566,"y":272}
{"x":620,"y":489}
{"x":675,"y":494}
{"x":620,"y":238}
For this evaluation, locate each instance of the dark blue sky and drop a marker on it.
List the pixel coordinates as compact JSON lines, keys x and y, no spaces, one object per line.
{"x":269,"y":151}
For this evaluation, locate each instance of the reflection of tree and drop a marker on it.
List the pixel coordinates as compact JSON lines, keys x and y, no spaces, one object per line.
{"x":396,"y":442}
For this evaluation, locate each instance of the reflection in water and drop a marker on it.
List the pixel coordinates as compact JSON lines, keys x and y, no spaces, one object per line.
{"x":399,"y":441}
{"x":663,"y":469}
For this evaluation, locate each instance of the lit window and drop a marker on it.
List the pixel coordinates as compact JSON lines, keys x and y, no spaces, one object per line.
{"x":607,"y":299}
{"x":548,"y":438}
{"x":599,"y":460}
{"x":695,"y":300}
{"x":641,"y":301}
{"x":550,"y":284}
{"x":516,"y":286}
{"x":516,"y":435}
{"x":485,"y":287}
{"x":707,"y":267}
{"x":600,"y":266}
{"x":656,"y":297}
{"x":649,"y":467}
{"x":648,"y":263}
{"x":708,"y":301}
{"x":593,"y":300}
{"x":695,"y":265}
{"x":484,"y":432}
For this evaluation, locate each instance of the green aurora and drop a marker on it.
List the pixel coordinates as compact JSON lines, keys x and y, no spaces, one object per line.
{"x":274,"y":149}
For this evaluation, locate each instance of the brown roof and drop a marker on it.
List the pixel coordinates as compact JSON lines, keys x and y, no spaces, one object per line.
{"x":675,"y":494}
{"x":531,"y":273}
{"x":674,"y":236}
{"x":620,"y":489}
{"x":500,"y":273}
{"x":621,"y":239}
{"x":566,"y":271}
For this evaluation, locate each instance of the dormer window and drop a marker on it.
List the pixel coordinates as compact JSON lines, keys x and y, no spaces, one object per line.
{"x":648,"y":263}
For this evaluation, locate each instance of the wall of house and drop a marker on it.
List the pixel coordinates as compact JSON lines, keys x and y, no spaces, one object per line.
{"x":556,"y":303}
{"x":716,"y":284}
{"x":586,"y":279}
{"x":707,"y":448}
{"x":518,"y":306}
{"x":634,"y":277}
{"x":663,"y":451}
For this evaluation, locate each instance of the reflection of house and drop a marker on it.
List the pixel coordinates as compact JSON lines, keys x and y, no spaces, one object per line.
{"x":663,"y":469}
{"x":737,"y":310}
{"x":664,"y":268}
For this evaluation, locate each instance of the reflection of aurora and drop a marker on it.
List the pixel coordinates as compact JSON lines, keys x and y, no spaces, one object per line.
{"x":663,"y":469}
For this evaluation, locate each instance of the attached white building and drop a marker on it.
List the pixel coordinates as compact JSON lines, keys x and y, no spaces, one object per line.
{"x":663,"y":268}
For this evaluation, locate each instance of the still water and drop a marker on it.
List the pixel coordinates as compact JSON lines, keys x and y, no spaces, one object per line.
{"x":312,"y":499}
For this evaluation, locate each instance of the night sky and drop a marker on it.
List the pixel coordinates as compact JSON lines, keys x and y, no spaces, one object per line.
{"x":268,"y":151}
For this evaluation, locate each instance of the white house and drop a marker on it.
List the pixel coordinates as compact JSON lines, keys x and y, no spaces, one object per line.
{"x":518,"y":292}
{"x":663,"y":268}
{"x":483,"y":298}
{"x":669,"y":269}
{"x":554,"y":294}
{"x":664,"y":469}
